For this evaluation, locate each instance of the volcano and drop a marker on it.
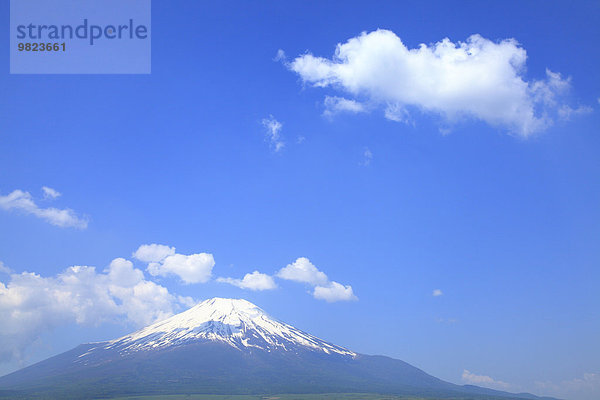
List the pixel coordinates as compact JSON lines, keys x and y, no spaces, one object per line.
{"x":229,"y":347}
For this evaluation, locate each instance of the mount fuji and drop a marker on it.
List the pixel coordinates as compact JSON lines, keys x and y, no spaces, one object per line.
{"x":225,"y":346}
{"x":237,"y":323}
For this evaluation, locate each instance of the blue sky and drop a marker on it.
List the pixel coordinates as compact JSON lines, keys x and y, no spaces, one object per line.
{"x":384,"y":182}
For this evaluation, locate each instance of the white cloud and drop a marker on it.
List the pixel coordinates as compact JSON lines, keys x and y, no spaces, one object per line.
{"x":122,"y":271}
{"x":585,"y":388}
{"x":483,"y":380}
{"x":478,"y":78}
{"x":335,"y":105}
{"x":334,"y":291}
{"x":397,"y":113}
{"x":437,"y":292}
{"x":273,"y":135}
{"x":22,"y":201}
{"x":153,"y":252}
{"x":31,"y":304}
{"x":449,"y":321}
{"x":565,"y":112}
{"x":280,"y":56}
{"x":195,"y":268}
{"x":302,"y":270}
{"x":164,"y":261}
{"x":367,"y":157}
{"x":253,"y":281}
{"x":50,"y":193}
{"x":4,"y":268}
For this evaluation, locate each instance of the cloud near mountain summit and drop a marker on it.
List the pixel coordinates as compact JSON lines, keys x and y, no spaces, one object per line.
{"x":31,"y":304}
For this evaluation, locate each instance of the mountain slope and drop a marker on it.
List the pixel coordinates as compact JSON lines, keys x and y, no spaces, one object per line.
{"x":237,"y":323}
{"x":225,"y":346}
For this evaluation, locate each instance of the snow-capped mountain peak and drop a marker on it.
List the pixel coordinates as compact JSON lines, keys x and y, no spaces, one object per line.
{"x":235,"y":322}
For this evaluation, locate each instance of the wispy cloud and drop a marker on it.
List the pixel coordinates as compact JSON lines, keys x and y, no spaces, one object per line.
{"x":567,"y":112}
{"x":437,"y":292}
{"x":587,"y":387}
{"x":449,"y":321}
{"x":19,"y":200}
{"x":367,"y":157}
{"x":280,"y":56}
{"x":50,"y":193}
{"x":335,"y":105}
{"x":483,"y":380}
{"x":4,"y":268}
{"x":478,"y":78}
{"x":273,"y":133}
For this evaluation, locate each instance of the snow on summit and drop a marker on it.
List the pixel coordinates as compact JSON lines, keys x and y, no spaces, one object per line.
{"x":235,"y":322}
